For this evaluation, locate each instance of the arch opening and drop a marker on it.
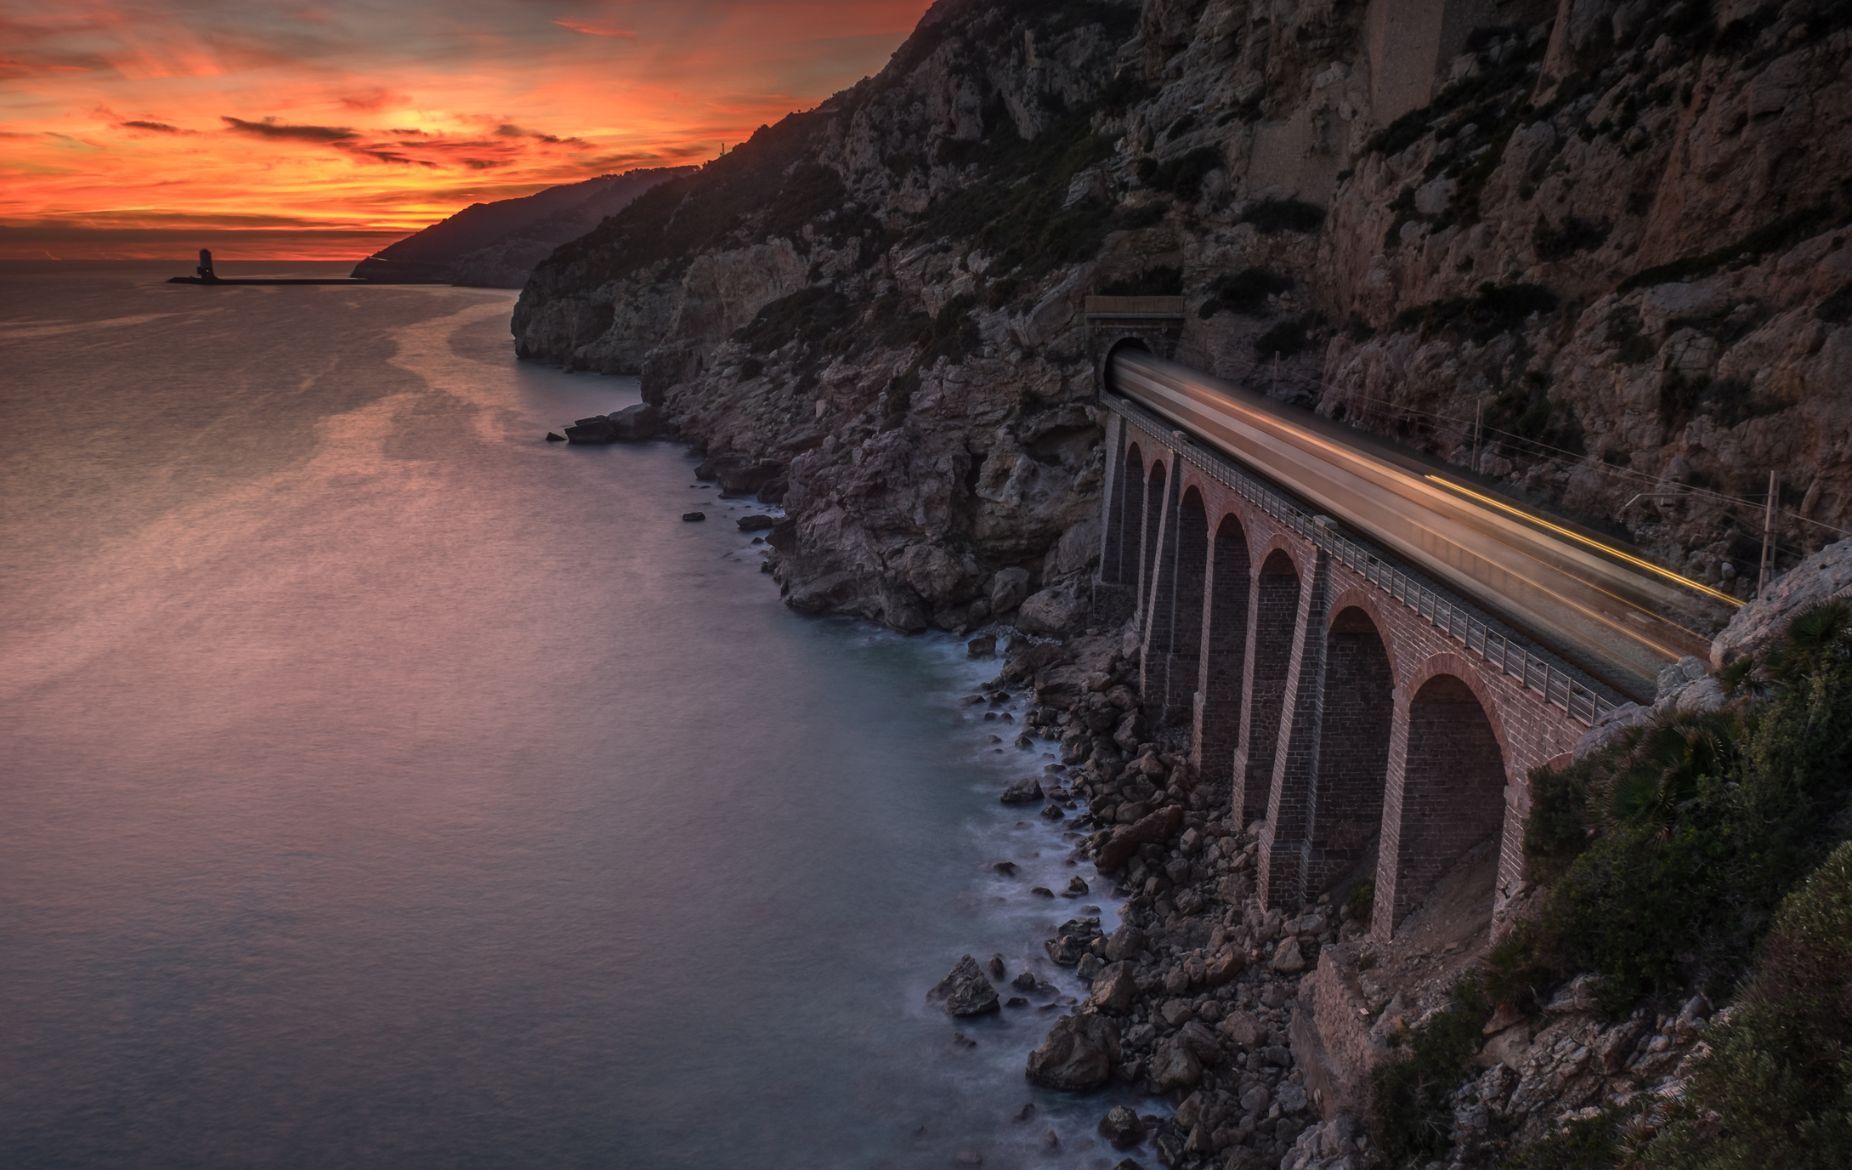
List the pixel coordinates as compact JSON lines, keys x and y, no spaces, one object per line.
{"x":1175,"y":645}
{"x":1119,"y":563}
{"x":1276,"y":614}
{"x":1358,"y":713}
{"x":1148,"y":538}
{"x":1452,"y":803}
{"x":1225,"y":647}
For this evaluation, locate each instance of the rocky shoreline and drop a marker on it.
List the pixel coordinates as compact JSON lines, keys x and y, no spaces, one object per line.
{"x":1191,"y":994}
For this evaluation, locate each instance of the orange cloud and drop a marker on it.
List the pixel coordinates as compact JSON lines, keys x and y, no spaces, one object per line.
{"x":278,"y":111}
{"x":592,"y":29}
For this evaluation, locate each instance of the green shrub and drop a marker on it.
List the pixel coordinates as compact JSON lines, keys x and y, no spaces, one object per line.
{"x":1015,"y":205}
{"x":1244,"y":292}
{"x":1273,"y":216}
{"x":1162,"y":281}
{"x":1777,"y":235}
{"x":1411,"y":1119}
{"x":1183,"y":175}
{"x":1560,"y":241}
{"x":1494,"y":309}
{"x":1588,"y":1143}
{"x":1143,"y":216}
{"x":1703,"y":825}
{"x":1557,"y":830}
{"x":1776,"y":1089}
{"x":1361,"y":902}
{"x":1837,"y":308}
{"x":1283,"y":340}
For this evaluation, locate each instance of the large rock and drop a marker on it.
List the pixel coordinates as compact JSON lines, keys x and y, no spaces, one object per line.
{"x":1026,"y":791}
{"x":596,"y":431}
{"x":1007,"y":589}
{"x":1114,"y":989}
{"x":1073,"y":940}
{"x":1122,"y":1127}
{"x":635,"y":423}
{"x":1174,"y":1066}
{"x":1154,"y":828}
{"x":1822,"y":577}
{"x":965,"y":991}
{"x":1078,"y":1054}
{"x":1058,"y":610}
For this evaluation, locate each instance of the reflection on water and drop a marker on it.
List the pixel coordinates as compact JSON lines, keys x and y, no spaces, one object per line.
{"x":386,"y":787}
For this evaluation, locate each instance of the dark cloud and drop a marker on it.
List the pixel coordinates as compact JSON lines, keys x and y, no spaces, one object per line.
{"x":271,"y":128}
{"x":510,"y":130}
{"x":153,"y":127}
{"x":382,"y":154}
{"x":373,"y":99}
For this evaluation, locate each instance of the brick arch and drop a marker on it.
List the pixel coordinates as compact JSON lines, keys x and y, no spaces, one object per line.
{"x":1174,"y":647}
{"x":1156,"y":477}
{"x":1225,"y":643}
{"x":1344,"y":803}
{"x":1119,"y":564}
{"x":1280,"y":542}
{"x":1370,"y":602}
{"x":1275,"y":618}
{"x":1446,"y":796}
{"x":1468,"y":672}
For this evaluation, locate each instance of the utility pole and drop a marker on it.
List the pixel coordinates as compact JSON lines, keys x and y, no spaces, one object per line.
{"x":1478,"y":419}
{"x":1768,"y":537}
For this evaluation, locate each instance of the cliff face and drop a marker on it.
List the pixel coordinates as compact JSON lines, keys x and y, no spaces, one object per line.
{"x":496,"y":245}
{"x":1613,"y":231}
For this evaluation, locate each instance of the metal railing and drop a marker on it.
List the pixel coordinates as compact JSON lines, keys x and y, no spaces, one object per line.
{"x":1559,"y":686}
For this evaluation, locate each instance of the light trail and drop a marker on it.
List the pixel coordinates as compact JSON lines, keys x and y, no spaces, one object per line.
{"x":1589,"y":542}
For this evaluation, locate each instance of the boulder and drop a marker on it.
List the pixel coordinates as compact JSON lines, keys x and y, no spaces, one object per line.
{"x":1056,"y":610}
{"x":1153,"y":828}
{"x":1022,"y":792}
{"x":983,"y":646}
{"x":555,"y":437}
{"x":1174,"y":1066}
{"x":591,"y":432}
{"x":1127,"y":940}
{"x":965,"y":991}
{"x":1073,"y":938}
{"x":1122,"y":1128}
{"x":1820,"y":578}
{"x":1114,"y":989}
{"x":1007,"y":589}
{"x":635,"y":423}
{"x":758,"y":522}
{"x":1289,"y":959}
{"x":693,"y":517}
{"x":1078,"y":1054}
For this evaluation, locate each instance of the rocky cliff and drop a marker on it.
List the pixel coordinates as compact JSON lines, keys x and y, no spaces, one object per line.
{"x":1613,"y":233}
{"x":496,"y":245}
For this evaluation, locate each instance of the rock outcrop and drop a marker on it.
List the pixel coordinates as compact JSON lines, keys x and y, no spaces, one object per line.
{"x":1612,"y":231}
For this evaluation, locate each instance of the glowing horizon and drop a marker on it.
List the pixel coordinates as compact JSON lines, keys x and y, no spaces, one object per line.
{"x":144,"y":129}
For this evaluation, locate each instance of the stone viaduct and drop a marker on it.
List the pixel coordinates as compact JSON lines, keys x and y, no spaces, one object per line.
{"x":1368,"y":718}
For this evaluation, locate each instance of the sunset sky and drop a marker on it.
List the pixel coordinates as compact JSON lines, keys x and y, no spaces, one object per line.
{"x":146,"y":128}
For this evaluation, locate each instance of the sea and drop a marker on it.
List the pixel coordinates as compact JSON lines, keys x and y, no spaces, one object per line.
{"x":382,"y":786}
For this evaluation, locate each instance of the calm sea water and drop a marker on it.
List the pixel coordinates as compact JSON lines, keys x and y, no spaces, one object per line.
{"x":381,"y":786}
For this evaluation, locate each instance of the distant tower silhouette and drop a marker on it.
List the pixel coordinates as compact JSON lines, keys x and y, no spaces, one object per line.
{"x":205,"y":265}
